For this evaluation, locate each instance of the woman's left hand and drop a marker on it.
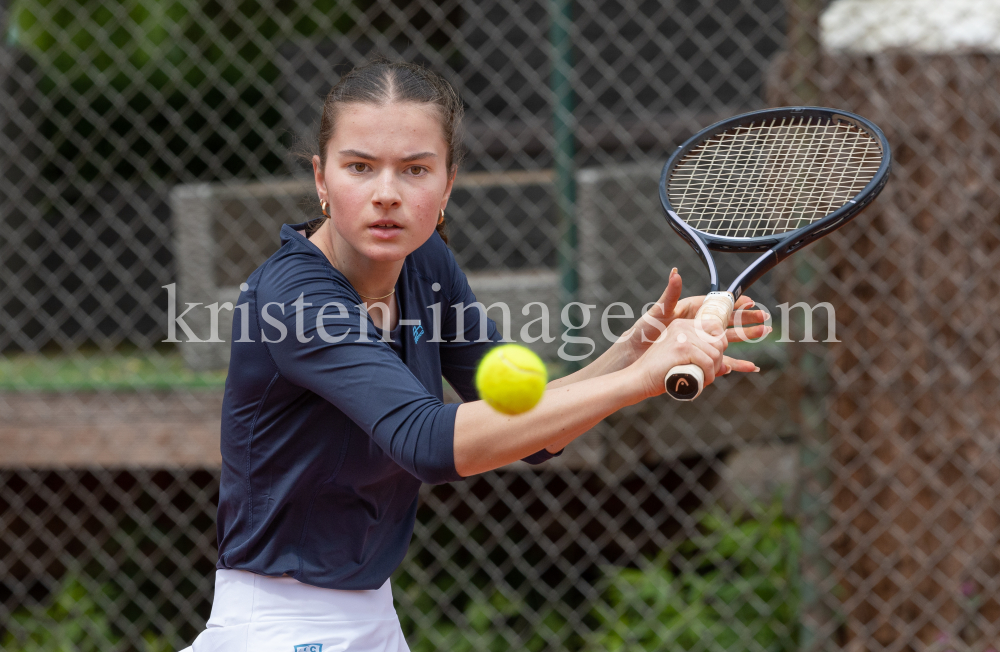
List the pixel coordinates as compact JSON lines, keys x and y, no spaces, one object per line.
{"x":670,"y":307}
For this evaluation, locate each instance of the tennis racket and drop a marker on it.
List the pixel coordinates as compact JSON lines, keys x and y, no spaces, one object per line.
{"x":769,"y":181}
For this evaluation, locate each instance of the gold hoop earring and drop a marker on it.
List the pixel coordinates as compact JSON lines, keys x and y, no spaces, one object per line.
{"x":441,"y":217}
{"x":323,"y":205}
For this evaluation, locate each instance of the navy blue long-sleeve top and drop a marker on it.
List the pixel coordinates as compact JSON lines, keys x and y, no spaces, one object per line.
{"x":327,"y":431}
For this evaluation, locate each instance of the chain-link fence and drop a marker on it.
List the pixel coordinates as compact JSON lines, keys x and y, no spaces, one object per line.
{"x":845,"y":498}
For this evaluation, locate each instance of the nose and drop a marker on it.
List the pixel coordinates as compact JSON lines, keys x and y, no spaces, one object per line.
{"x":386,"y":192}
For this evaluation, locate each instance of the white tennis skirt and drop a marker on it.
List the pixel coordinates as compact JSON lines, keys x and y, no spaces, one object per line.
{"x":254,"y":613}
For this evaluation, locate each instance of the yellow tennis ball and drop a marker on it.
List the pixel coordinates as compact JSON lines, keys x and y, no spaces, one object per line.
{"x":511,"y":379}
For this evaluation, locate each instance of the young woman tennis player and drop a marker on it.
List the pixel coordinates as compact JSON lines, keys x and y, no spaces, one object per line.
{"x":328,"y":431}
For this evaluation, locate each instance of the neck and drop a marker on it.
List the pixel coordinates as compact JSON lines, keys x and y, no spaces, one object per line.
{"x":370,"y":278}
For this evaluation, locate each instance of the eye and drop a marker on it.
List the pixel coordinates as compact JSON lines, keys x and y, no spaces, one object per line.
{"x":416,"y":170}
{"x":358,"y":167}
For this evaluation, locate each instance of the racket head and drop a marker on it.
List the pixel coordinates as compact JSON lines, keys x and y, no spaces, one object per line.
{"x":775,"y":179}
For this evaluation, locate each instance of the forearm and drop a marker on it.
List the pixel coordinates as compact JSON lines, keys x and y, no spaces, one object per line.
{"x":619,"y":356}
{"x":486,"y":439}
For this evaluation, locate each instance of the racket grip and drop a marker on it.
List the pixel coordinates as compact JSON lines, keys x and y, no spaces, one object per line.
{"x":685,"y":382}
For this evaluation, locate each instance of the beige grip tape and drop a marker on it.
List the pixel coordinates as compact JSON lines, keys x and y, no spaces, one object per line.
{"x":718,"y":307}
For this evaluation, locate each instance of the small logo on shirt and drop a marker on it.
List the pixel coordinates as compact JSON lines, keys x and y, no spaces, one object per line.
{"x":309,"y":647}
{"x":418,"y":332}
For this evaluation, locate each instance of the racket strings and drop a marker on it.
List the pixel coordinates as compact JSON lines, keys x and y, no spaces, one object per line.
{"x":764,"y":179}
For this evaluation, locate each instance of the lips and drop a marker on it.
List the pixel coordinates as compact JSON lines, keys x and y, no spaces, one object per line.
{"x":385,"y":229}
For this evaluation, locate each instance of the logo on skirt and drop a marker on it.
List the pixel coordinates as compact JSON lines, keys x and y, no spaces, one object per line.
{"x":309,"y":647}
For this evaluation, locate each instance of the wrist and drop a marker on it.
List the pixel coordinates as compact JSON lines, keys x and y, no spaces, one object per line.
{"x":632,"y":385}
{"x":620,"y":355}
{"x":631,"y":349}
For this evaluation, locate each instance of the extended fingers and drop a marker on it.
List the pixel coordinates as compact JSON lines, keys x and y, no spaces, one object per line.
{"x":671,"y":295}
{"x":735,"y":364}
{"x":743,"y":334}
{"x":745,"y":317}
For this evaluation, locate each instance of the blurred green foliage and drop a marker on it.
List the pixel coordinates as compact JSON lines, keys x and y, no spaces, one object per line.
{"x":490,"y":622}
{"x":732,"y":588}
{"x":71,"y":620}
{"x":131,"y":81}
{"x":164,"y":43}
{"x":159,"y":89}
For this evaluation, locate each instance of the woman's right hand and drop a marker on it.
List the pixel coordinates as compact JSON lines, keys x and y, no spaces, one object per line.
{"x":684,"y":341}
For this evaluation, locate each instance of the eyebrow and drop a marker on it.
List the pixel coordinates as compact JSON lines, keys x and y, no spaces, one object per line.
{"x":418,"y":156}
{"x":365,"y":155}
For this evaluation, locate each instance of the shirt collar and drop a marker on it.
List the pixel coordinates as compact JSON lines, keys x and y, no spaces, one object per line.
{"x":291,"y":232}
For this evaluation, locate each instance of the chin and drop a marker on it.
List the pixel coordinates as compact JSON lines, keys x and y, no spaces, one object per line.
{"x":395,"y":249}
{"x":385,"y":252}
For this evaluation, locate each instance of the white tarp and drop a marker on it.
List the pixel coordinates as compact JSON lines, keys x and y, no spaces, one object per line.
{"x":867,"y":26}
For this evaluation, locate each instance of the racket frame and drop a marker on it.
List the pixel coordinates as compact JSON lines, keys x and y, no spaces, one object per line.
{"x":685,"y":382}
{"x":775,"y":247}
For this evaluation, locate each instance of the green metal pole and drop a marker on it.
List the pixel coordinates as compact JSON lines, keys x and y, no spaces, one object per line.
{"x":803,"y":50}
{"x":563,"y":127}
{"x":814,"y":456}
